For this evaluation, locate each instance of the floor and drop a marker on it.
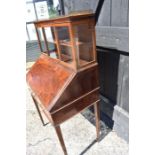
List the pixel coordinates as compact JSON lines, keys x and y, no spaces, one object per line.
{"x":33,"y":50}
{"x":79,"y":135}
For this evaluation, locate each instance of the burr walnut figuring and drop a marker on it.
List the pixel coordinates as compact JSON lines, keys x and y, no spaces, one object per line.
{"x":64,"y":80}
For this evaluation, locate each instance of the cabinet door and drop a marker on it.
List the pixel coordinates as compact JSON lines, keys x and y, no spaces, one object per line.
{"x":84,"y":43}
{"x":64,"y":44}
{"x":46,"y":39}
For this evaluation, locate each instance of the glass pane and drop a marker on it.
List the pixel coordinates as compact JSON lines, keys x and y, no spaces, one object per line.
{"x":41,"y":39}
{"x":51,"y":43}
{"x":84,"y":43}
{"x":66,"y":53}
{"x":50,"y":39}
{"x":31,"y":32}
{"x":63,"y":35}
{"x":51,"y":46}
{"x":64,"y":44}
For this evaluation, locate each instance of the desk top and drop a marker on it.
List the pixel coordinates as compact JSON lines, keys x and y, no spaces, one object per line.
{"x":48,"y":78}
{"x":74,"y":15}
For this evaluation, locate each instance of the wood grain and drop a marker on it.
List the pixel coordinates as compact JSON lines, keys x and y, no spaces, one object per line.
{"x":47,"y":77}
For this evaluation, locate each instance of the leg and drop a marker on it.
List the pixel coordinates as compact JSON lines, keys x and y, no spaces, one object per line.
{"x":97,"y":117}
{"x":35,"y":102}
{"x":59,"y":134}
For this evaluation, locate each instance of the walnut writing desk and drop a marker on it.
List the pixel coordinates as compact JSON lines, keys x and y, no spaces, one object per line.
{"x":64,"y":79}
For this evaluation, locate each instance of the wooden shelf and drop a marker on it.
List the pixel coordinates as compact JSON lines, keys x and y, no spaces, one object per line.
{"x":83,"y":62}
{"x":68,"y":43}
{"x":49,"y":41}
{"x":80,"y":43}
{"x":65,"y":43}
{"x":65,"y":57}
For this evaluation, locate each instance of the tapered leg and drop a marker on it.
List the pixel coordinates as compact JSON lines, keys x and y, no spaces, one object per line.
{"x":37,"y":107}
{"x":97,"y":117}
{"x":59,"y":134}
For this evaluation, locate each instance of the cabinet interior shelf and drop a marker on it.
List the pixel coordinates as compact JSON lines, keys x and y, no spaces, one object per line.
{"x":68,"y":58}
{"x":68,"y":43}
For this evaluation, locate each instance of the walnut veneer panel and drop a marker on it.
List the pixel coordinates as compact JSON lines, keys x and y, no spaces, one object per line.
{"x":76,"y":107}
{"x":47,"y":79}
{"x":83,"y":82}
